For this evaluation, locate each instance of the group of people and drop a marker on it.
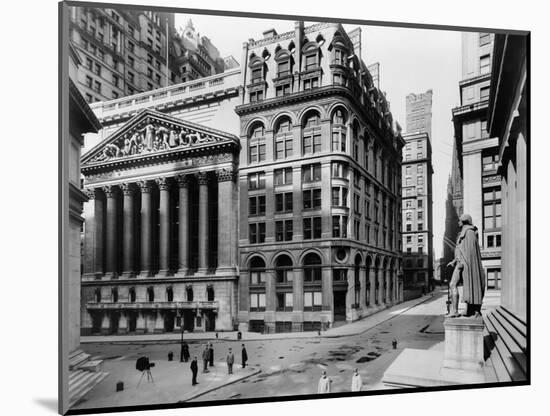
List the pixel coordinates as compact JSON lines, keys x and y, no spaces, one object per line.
{"x":325,"y":382}
{"x":208,"y":360}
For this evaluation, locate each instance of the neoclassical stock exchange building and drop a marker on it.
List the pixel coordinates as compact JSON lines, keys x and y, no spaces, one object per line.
{"x":266,"y":198}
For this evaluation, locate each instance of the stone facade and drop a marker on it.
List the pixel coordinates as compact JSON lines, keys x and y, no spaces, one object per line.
{"x":158,"y":241}
{"x":417,"y":171}
{"x":319,"y":184}
{"x":508,"y":120}
{"x":310,"y":152}
{"x":418,"y":108}
{"x":477,"y":153}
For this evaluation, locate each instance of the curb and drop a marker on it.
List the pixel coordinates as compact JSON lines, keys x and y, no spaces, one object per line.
{"x":177,"y":341}
{"x":210,"y":390}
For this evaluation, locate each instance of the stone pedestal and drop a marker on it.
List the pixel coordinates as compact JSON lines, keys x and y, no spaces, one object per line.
{"x":460,"y":359}
{"x":463,"y":346}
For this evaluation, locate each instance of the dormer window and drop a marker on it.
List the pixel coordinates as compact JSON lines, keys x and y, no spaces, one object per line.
{"x":339,"y":56}
{"x":311,"y":61}
{"x":256,"y":75}
{"x":283,"y":67}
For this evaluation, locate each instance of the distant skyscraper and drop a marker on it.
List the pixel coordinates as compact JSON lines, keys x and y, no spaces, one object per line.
{"x":419,"y":113}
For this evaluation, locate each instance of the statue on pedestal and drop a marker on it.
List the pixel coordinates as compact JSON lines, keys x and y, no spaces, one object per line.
{"x":468,"y":269}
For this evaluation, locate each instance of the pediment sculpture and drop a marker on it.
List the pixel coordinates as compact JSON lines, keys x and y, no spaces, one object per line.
{"x":152,"y":138}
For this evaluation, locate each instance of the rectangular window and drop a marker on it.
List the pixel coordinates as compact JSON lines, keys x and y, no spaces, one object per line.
{"x":283,"y":202}
{"x":282,"y":90}
{"x":420,"y":226}
{"x":484,"y":39}
{"x":312,"y":142}
{"x":419,"y":203}
{"x":339,"y":226}
{"x":484,"y":93}
{"x":283,"y":147}
{"x":311,"y":61}
{"x":256,"y":75}
{"x":311,"y":173}
{"x":256,"y":180}
{"x":490,"y":162}
{"x":313,"y":301}
{"x":283,"y":176}
{"x":283,"y":230}
{"x":312,"y":227}
{"x":312,"y":198}
{"x":284,"y":302}
{"x":256,"y":233}
{"x":97,"y":86}
{"x":257,"y":302}
{"x":256,"y":205}
{"x":283,"y":68}
{"x":339,"y":196}
{"x":485,"y":64}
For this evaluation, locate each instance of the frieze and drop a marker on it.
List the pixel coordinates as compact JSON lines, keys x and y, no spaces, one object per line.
{"x":190,"y":162}
{"x":153,"y":136}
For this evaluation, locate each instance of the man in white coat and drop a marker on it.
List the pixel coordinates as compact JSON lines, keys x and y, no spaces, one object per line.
{"x":356,"y":382}
{"x":324,"y":383}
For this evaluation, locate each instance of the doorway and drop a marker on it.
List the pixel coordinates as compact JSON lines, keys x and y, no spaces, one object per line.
{"x":169,"y":318}
{"x":188,"y":320}
{"x":339,"y":305}
{"x":209,"y":321}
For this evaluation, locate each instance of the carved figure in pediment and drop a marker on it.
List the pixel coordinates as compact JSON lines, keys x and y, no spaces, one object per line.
{"x":135,"y":141}
{"x":126,"y":150}
{"x":149,"y":136}
{"x":173,"y":140}
{"x":162,"y":136}
{"x":111,"y":150}
{"x":183,"y":140}
{"x":194,"y":137}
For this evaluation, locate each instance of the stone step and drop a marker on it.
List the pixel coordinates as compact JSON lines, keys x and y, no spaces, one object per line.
{"x":495,"y":358}
{"x":92,"y":365}
{"x":518,"y":337}
{"x":514,"y":321}
{"x":78,"y":360}
{"x":514,"y":368}
{"x":512,"y":346}
{"x":84,"y":385}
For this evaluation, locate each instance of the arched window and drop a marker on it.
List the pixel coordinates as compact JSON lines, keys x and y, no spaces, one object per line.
{"x":355,"y":138}
{"x":283,"y":139}
{"x":150,"y":294}
{"x":169,"y":294}
{"x":189,"y":293}
{"x":257,"y":271}
{"x":338,"y":129}
{"x":312,"y":268}
{"x":210,"y":293}
{"x":311,"y":133}
{"x":114,"y":294}
{"x":283,"y":269}
{"x":256,"y":144}
{"x":132,"y":294}
{"x":97,"y":295}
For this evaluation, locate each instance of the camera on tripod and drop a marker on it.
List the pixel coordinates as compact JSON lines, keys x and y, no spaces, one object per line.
{"x":144,"y":366}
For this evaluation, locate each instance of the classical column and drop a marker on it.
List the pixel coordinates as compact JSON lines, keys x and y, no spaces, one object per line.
{"x":94,"y":211}
{"x":297,"y":299}
{"x":145,"y":269}
{"x":388,"y":286}
{"x":363,"y":288}
{"x":372,"y":282}
{"x":128,"y":231}
{"x":164,"y":229}
{"x":183,"y":228}
{"x":380,"y":286}
{"x":226,"y":217}
{"x":202,"y":178}
{"x":111,"y":249}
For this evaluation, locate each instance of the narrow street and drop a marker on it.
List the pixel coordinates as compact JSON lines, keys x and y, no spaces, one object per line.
{"x":288,"y":366}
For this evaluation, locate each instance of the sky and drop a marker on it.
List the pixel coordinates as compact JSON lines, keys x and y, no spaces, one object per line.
{"x":411,"y":61}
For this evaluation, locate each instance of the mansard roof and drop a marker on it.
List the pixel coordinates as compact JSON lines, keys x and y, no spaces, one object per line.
{"x":150,"y":135}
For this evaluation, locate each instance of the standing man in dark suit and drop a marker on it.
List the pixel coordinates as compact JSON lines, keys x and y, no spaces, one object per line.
{"x":244,"y":356}
{"x":194,"y":370}
{"x":230,"y":360}
{"x":211,"y":355}
{"x":205,"y":358}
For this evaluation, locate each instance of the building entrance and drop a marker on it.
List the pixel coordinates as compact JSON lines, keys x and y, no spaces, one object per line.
{"x":169,"y":318}
{"x":188,"y":320}
{"x":209,"y":321}
{"x":339,"y":305}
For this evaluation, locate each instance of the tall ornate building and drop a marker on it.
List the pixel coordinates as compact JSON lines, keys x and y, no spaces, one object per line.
{"x":417,"y":172}
{"x":418,"y":109}
{"x":267,"y":197}
{"x":125,"y":51}
{"x":477,"y":152}
{"x":319,"y":183}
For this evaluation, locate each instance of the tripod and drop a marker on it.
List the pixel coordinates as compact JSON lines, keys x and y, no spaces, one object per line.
{"x":149,"y":375}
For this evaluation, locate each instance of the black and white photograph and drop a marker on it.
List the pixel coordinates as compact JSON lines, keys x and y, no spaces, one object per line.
{"x":285,"y":208}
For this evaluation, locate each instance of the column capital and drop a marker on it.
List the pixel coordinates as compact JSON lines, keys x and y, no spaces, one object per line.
{"x":202,"y":178}
{"x":163,"y":183}
{"x":226,"y":174}
{"x":109,"y":190}
{"x":183,"y":181}
{"x":90,"y":193}
{"x":144,"y":186}
{"x":127,"y":189}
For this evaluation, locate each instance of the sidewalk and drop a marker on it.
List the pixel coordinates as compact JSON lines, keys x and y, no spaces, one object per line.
{"x":353,"y":328}
{"x":172,"y":383}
